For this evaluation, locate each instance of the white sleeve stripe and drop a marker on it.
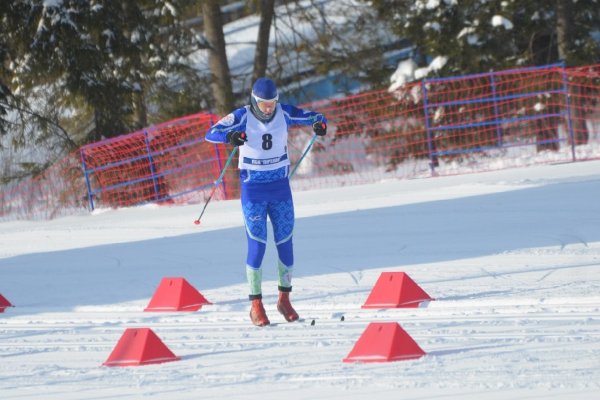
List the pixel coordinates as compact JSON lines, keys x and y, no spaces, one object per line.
{"x":307,"y":118}
{"x":218,"y":128}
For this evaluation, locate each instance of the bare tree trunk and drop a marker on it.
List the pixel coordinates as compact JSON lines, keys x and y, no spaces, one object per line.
{"x":261,"y":57}
{"x":139,"y":109}
{"x":579,"y":111}
{"x":563,"y":29}
{"x":217,"y":56}
{"x":221,"y":78}
{"x":564,"y":23}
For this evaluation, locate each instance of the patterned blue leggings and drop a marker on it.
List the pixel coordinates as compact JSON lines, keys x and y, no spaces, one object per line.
{"x":273,"y":199}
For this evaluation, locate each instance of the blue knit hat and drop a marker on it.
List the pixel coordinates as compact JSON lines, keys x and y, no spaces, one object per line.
{"x":264,"y":89}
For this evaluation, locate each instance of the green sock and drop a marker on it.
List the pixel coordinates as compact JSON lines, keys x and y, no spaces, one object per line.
{"x":285,"y":275}
{"x":254,"y":277}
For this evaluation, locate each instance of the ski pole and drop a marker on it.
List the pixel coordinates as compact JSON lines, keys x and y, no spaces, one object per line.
{"x":217,"y":183}
{"x":303,"y":155}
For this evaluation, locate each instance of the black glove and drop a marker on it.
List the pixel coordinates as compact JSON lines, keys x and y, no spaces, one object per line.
{"x":237,"y":138}
{"x":320,"y":128}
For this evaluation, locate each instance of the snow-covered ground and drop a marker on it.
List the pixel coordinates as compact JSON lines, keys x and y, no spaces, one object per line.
{"x":512,"y":258}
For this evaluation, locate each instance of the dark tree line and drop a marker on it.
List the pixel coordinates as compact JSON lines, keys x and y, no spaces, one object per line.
{"x":76,"y":71}
{"x":479,"y":36}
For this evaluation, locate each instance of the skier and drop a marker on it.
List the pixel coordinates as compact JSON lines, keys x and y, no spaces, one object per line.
{"x":260,"y":129}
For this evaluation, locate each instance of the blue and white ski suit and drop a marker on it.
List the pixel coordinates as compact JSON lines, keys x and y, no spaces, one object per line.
{"x":265,"y":187}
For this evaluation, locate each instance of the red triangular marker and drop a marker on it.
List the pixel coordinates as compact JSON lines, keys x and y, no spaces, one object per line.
{"x":395,"y":290}
{"x":139,"y":346}
{"x":4,"y":303}
{"x":383,"y":342}
{"x":176,"y":294}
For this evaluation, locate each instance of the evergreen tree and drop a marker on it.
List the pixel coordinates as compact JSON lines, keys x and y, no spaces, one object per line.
{"x":101,"y":55}
{"x":75,"y":71}
{"x":484,"y":35}
{"x":9,"y":15}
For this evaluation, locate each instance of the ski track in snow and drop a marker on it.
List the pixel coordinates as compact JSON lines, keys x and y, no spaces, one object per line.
{"x":452,"y":333}
{"x":508,"y":322}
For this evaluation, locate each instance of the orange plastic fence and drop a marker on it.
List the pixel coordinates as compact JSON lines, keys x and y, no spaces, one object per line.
{"x":433,"y":127}
{"x":152,"y":164}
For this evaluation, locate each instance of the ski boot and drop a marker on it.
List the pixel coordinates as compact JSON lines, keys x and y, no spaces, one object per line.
{"x":258,"y":316}
{"x":285,"y":307}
